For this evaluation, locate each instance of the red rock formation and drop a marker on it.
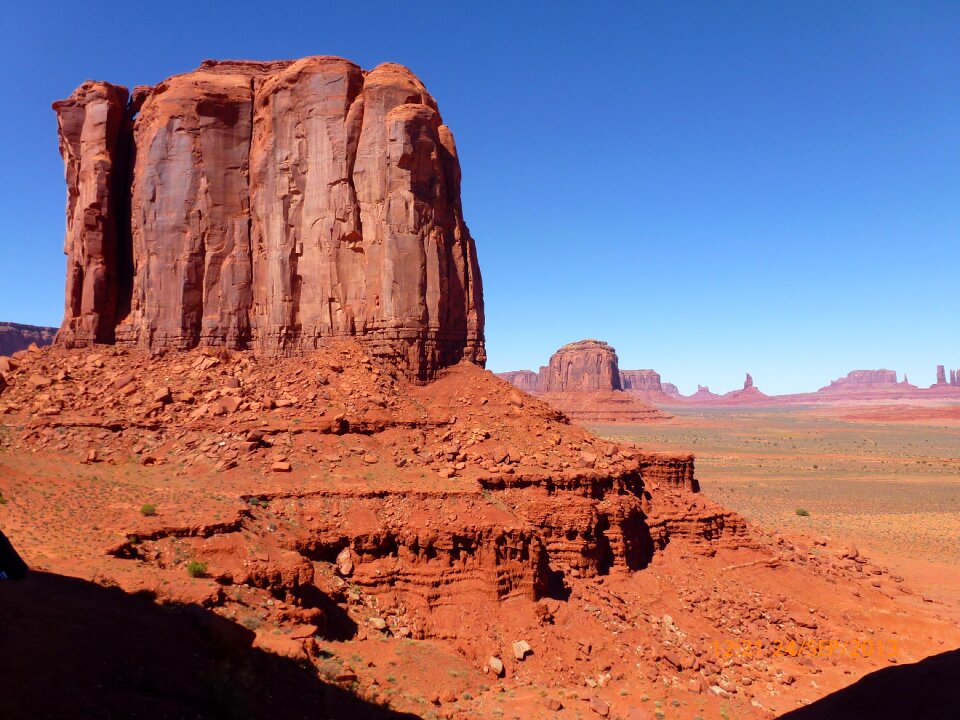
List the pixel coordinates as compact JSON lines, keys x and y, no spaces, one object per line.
{"x":861,"y":379}
{"x":644,"y":381}
{"x":525,"y":380}
{"x":15,"y":337}
{"x":272,"y":205}
{"x":671,"y":390}
{"x":94,"y":133}
{"x":748,"y":382}
{"x":703,"y":393}
{"x":584,"y":365}
{"x":953,"y":377}
{"x":583,"y":381}
{"x":941,"y":375}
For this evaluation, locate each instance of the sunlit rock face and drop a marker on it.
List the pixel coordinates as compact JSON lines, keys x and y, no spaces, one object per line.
{"x":268,"y":206}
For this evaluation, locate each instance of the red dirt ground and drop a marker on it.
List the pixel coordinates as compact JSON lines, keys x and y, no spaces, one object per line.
{"x":369,"y":548}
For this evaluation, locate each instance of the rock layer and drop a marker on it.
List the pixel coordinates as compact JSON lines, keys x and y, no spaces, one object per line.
{"x":272,"y":205}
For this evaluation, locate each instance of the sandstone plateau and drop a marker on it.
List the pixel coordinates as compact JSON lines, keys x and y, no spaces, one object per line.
{"x":269,"y":206}
{"x":15,"y":337}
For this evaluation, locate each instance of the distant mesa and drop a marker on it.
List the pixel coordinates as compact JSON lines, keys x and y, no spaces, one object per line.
{"x":859,"y":379}
{"x":590,"y":366}
{"x":15,"y":337}
{"x":583,"y":380}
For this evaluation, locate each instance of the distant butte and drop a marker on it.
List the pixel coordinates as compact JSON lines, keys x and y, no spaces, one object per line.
{"x":855,"y":387}
{"x":583,"y":380}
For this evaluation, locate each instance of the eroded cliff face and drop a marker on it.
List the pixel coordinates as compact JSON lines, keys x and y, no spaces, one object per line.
{"x":15,"y":337}
{"x":644,"y":381}
{"x":583,"y":365}
{"x":93,"y":127}
{"x":271,"y":205}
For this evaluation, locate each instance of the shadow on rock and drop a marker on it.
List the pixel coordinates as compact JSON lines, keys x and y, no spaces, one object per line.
{"x":73,"y":649}
{"x":926,"y":690}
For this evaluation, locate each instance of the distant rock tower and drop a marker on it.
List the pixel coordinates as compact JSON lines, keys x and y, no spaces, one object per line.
{"x":748,"y":383}
{"x":941,"y":375}
{"x":953,"y":377}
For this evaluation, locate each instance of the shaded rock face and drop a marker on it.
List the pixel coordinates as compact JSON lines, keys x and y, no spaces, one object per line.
{"x":271,"y":205}
{"x":15,"y":337}
{"x":525,"y":380}
{"x":941,"y":375}
{"x":641,"y":380}
{"x":583,"y":365}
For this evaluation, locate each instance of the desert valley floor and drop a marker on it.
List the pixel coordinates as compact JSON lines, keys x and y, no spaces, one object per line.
{"x":887,"y":480}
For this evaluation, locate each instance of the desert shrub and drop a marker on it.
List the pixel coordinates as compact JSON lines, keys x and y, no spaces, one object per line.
{"x":196,"y":569}
{"x":802,"y":513}
{"x":148,"y":510}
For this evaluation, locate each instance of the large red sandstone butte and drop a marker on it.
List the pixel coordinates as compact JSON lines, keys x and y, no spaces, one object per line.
{"x":269,"y":206}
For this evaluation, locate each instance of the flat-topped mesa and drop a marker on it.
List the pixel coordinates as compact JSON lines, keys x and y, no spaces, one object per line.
{"x":268,"y":206}
{"x":643,"y":381}
{"x":582,"y":365}
{"x":864,"y":379}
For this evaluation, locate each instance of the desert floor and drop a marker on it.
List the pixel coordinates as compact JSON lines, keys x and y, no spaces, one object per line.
{"x":891,"y":487}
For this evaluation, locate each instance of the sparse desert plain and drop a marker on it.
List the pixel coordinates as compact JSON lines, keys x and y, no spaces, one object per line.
{"x":885,"y":478}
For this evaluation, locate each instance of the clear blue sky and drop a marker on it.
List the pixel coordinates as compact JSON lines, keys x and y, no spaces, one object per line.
{"x":712,"y":187}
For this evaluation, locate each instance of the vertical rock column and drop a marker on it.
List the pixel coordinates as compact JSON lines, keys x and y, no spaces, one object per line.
{"x":190,"y":214}
{"x":93,"y":131}
{"x":308,"y":248}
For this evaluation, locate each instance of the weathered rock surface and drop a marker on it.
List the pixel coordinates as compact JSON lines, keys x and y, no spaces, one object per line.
{"x":641,"y":380}
{"x":584,"y":365}
{"x":15,"y":337}
{"x":941,"y":375}
{"x":272,"y":205}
